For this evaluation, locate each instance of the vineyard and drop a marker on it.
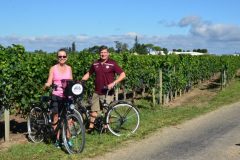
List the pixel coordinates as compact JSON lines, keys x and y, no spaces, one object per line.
{"x":23,"y":74}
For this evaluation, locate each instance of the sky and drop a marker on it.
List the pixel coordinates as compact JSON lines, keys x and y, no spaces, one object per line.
{"x":173,"y":24}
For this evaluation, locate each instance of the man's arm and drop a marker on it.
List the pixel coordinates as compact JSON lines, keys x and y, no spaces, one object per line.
{"x":119,"y":79}
{"x":86,"y":76}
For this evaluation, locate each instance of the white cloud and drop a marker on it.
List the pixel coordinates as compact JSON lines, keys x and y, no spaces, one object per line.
{"x":205,"y":29}
{"x":190,"y":20}
{"x":132,"y":34}
{"x":217,"y":38}
{"x":167,"y":23}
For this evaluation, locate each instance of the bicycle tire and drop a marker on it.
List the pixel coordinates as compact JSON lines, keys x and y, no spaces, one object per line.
{"x":83,"y":112}
{"x":122,"y":119}
{"x":75,"y":111}
{"x":74,"y":127}
{"x":35,"y":123}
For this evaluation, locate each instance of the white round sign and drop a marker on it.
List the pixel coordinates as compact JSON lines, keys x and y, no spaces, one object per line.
{"x":77,"y":89}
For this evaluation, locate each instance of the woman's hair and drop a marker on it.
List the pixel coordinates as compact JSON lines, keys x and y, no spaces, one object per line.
{"x":62,"y":49}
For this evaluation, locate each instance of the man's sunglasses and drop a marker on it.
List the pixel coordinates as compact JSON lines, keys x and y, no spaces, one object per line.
{"x":62,"y":56}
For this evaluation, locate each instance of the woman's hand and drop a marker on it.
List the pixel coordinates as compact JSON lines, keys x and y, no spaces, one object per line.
{"x":46,"y":85}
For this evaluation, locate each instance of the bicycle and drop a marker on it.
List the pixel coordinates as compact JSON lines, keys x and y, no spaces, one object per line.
{"x":121,"y":117}
{"x":69,"y":124}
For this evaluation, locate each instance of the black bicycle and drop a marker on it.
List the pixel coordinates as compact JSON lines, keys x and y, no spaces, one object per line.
{"x":69,"y":124}
{"x":120,"y":118}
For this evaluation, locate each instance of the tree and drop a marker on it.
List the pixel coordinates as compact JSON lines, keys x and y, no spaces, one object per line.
{"x":136,"y":45}
{"x":121,"y":47}
{"x":200,"y":50}
{"x":149,"y":47}
{"x":111,"y":50}
{"x":139,"y":48}
{"x":40,"y":51}
{"x":73,"y":47}
{"x":1,"y":48}
{"x":204,"y":51}
{"x":157,"y":48}
{"x":69,"y":49}
{"x":118,"y":46}
{"x":94,"y":49}
{"x":165,"y":50}
{"x":124,"y":47}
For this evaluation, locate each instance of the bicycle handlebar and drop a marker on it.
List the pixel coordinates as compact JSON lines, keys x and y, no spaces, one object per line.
{"x":105,"y":88}
{"x":73,"y":88}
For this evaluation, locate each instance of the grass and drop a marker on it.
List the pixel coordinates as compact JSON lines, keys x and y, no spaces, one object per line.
{"x":151,"y":120}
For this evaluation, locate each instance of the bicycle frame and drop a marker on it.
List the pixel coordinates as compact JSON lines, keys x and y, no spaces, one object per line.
{"x":86,"y":110}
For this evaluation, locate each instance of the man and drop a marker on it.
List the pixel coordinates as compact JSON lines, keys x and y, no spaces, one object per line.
{"x":105,"y":70}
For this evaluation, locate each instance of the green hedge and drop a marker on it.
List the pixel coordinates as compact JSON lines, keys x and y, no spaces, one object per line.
{"x":25,"y":73}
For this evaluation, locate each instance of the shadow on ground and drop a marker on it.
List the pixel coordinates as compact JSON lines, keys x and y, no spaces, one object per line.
{"x":15,"y":127}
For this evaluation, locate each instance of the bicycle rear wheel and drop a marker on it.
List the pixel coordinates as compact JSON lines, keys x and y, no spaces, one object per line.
{"x":35,"y":123}
{"x":122,"y":119}
{"x":73,"y":134}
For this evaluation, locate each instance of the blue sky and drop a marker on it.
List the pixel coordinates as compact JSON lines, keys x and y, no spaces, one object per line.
{"x":186,"y":24}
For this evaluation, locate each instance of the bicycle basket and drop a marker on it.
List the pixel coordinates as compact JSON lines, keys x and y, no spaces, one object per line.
{"x":72,"y":88}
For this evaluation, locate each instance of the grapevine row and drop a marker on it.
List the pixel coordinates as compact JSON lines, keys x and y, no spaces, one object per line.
{"x":24,"y":73}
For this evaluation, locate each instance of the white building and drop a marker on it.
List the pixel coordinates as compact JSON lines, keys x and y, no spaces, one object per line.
{"x":191,"y":53}
{"x":174,"y":52}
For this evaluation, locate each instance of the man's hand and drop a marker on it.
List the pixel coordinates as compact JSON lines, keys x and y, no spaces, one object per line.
{"x":111,"y":85}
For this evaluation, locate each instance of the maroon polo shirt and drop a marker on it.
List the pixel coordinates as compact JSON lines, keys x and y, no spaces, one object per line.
{"x":104,"y":74}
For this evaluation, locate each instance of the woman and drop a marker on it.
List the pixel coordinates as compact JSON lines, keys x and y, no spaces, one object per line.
{"x":58,"y":72}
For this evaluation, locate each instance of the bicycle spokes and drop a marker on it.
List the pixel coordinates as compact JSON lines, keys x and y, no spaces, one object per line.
{"x":123,"y":119}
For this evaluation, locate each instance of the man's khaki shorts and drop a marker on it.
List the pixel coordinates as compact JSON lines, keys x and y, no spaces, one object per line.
{"x":96,"y":101}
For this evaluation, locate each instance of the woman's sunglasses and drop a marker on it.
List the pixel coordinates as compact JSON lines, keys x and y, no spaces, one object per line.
{"x":62,"y":56}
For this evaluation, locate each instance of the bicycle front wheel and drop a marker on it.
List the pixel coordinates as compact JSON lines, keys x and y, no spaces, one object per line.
{"x":73,"y":134}
{"x":122,"y":119}
{"x":35,"y":123}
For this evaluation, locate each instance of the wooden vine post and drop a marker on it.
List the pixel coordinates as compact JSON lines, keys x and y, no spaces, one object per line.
{"x":223,"y":77}
{"x":7,"y":124}
{"x":116,"y":93}
{"x":160,"y":87}
{"x":153,"y":97}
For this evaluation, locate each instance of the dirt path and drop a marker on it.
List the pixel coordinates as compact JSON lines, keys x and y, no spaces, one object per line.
{"x":209,"y":136}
